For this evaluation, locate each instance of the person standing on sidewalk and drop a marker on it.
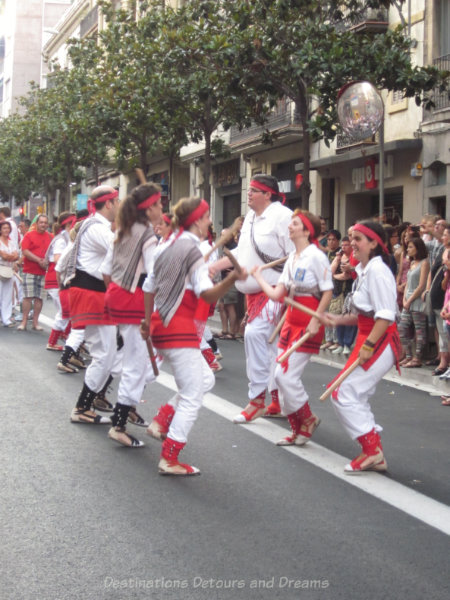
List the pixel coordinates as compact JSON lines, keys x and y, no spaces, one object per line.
{"x":8,"y":256}
{"x":377,"y":346}
{"x":34,"y":248}
{"x":307,"y":278}
{"x":264,"y":237}
{"x":87,"y":300}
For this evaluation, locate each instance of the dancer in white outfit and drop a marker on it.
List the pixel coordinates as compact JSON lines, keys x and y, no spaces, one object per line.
{"x":180,"y":290}
{"x":307,"y":278}
{"x":377,"y":344}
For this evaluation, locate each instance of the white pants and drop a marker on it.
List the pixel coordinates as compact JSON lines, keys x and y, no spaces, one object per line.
{"x":18,"y":290}
{"x":75,"y":339}
{"x":440,"y":326}
{"x":352,"y":405}
{"x":6,"y":299}
{"x":259,"y":353}
{"x":137,"y":369}
{"x":59,"y":323}
{"x":291,"y":393}
{"x":106,"y":360}
{"x":193,"y":378}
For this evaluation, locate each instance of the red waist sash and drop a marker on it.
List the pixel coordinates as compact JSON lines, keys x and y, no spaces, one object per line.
{"x":295,"y":327}
{"x":255,"y":306}
{"x":182,"y":330}
{"x":50,"y":281}
{"x":87,"y":307}
{"x":123,"y":306}
{"x":389,"y":338}
{"x":65,"y":303}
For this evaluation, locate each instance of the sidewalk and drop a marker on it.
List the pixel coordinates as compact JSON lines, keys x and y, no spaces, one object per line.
{"x":420,"y":379}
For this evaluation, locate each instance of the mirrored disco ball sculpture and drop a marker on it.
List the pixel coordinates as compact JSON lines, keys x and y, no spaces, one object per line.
{"x":360,"y":110}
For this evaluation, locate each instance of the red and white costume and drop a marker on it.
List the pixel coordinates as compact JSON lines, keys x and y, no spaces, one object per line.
{"x":87,"y":301}
{"x":177,"y":339}
{"x":305,"y":278}
{"x":57,"y":247}
{"x":375,"y":297}
{"x":270,"y":232}
{"x":126,"y":309}
{"x":76,"y":336}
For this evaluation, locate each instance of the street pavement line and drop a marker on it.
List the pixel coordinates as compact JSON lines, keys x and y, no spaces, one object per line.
{"x":411,"y":502}
{"x":429,"y":511}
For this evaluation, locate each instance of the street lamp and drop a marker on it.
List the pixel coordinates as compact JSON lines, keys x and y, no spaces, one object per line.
{"x":361,"y":114}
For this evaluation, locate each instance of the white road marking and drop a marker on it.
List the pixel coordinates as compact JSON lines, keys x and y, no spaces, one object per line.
{"x":429,"y":511}
{"x":409,"y":501}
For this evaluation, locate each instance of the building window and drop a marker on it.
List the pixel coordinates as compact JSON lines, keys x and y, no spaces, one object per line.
{"x":397,"y":101}
{"x":443,"y":15}
{"x":438,"y":174}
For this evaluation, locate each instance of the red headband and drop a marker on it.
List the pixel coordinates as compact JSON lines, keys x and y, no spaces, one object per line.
{"x":196,"y":214}
{"x":309,"y":226}
{"x":371,"y":235}
{"x":153,"y":199}
{"x":265,"y":188}
{"x":167,"y":219}
{"x":72,"y":220}
{"x":81,"y":218}
{"x":93,"y":201}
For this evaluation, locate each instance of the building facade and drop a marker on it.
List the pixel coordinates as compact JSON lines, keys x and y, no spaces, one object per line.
{"x":345,"y":176}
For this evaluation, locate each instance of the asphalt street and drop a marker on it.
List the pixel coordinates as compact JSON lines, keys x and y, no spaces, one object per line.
{"x":84,"y":518}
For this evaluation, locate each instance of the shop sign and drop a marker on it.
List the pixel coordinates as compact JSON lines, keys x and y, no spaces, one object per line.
{"x":226,"y":174}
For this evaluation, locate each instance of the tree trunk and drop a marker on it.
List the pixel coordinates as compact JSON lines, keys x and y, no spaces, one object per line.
{"x":301,"y":106}
{"x":207,"y":168}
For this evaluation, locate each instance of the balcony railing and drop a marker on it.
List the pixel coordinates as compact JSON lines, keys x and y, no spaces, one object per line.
{"x":89,"y":22}
{"x":344,"y":142}
{"x":441,"y":99}
{"x":282,"y":116}
{"x":367,"y":19}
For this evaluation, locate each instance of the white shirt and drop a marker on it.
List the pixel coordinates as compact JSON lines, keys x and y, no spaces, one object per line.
{"x":93,"y":247}
{"x":10,"y":247}
{"x":59,"y":245}
{"x":311,"y":270}
{"x":376,"y":290}
{"x":271,"y":236}
{"x":14,"y":235}
{"x":198,"y":281}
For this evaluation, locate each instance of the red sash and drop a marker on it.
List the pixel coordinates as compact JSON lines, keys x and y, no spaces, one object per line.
{"x":389,"y":338}
{"x":50,"y":281}
{"x":123,"y":306}
{"x":181,"y":332}
{"x":65,"y":303}
{"x":87,"y":307}
{"x":255,"y":304}
{"x":295,"y":327}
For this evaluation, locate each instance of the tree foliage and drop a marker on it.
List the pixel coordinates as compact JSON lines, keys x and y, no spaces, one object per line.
{"x":145,"y":87}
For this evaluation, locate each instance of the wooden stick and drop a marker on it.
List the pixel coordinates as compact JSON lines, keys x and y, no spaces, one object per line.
{"x":340,"y":379}
{"x":293,"y":348}
{"x":148,"y":341}
{"x":225,"y":237}
{"x":274,"y":263}
{"x":304,"y":309}
{"x":277,"y":329}
{"x":152,"y":357}
{"x":234,"y":262}
{"x":141,"y":175}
